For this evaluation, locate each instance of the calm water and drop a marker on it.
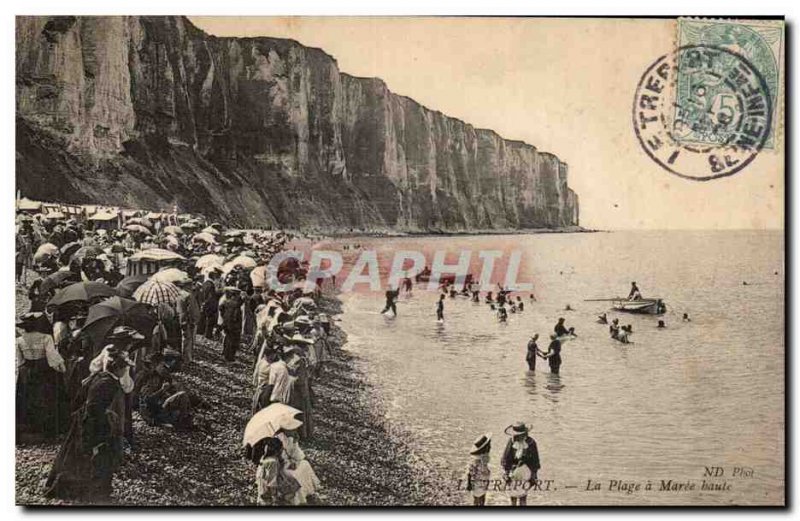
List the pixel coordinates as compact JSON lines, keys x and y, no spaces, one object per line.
{"x":709,"y":392}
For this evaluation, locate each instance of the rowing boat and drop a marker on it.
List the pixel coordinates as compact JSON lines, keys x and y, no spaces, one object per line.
{"x":646,"y":306}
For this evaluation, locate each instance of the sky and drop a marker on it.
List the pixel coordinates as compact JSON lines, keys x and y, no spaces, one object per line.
{"x":565,"y":86}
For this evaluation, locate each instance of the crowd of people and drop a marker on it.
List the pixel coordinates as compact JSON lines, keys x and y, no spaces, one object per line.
{"x":102,"y":343}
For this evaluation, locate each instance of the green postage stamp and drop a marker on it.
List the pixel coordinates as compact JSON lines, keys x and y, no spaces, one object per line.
{"x":760,"y":43}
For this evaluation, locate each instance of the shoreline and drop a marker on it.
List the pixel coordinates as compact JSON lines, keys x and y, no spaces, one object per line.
{"x":360,"y":459}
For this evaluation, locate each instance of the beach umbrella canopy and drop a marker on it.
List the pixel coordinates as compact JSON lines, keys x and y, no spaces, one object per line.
{"x":128,"y":285}
{"x":234,"y":233}
{"x":188,"y":226}
{"x":249,"y":253}
{"x":171,"y":275}
{"x":81,"y":292}
{"x":209,"y":260}
{"x":173,"y":230}
{"x":211,"y":230}
{"x":205,"y":237}
{"x":267,"y":422}
{"x":138,"y":228}
{"x":156,"y":254}
{"x":247,"y":263}
{"x":87,"y":252}
{"x":116,"y":311}
{"x":45,"y":251}
{"x":58,"y":279}
{"x":259,"y":276}
{"x":141,"y":221}
{"x":155,"y":293}
{"x":68,"y":249}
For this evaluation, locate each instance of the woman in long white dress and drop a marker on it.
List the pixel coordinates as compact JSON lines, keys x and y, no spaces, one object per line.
{"x":298,"y":467}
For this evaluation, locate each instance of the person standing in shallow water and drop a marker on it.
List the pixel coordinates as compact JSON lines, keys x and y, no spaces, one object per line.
{"x":440,"y":309}
{"x":533,"y":352}
{"x":553,"y":354}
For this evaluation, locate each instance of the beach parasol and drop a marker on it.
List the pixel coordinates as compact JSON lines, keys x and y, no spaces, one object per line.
{"x":211,"y":230}
{"x":268,"y":421}
{"x":173,"y":230}
{"x":259,"y":277}
{"x":155,"y":293}
{"x":58,"y":279}
{"x":247,"y":263}
{"x":141,"y":221}
{"x":156,"y":254}
{"x":138,"y":228}
{"x":171,"y":275}
{"x":68,"y":249}
{"x":234,"y":233}
{"x":115,"y":311}
{"x":45,"y":251}
{"x":128,"y":285}
{"x":82,"y":292}
{"x":205,"y":237}
{"x":209,"y":260}
{"x":87,"y":252}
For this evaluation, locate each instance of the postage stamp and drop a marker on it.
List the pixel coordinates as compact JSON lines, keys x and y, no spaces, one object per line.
{"x":702,"y":112}
{"x":760,"y":42}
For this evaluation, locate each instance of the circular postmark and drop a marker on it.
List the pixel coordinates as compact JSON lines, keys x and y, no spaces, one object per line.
{"x":702,"y":112}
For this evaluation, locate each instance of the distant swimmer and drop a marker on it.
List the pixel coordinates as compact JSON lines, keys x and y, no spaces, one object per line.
{"x":407,"y":284}
{"x":532,"y":297}
{"x":561,"y":329}
{"x":520,"y":304}
{"x":613,"y":329}
{"x":440,"y":309}
{"x":686,"y":317}
{"x":489,"y":298}
{"x":502,"y":314}
{"x":661,"y":324}
{"x":602,"y":319}
{"x":744,"y":283}
{"x":568,"y":308}
{"x":624,"y":333}
{"x":512,"y":307}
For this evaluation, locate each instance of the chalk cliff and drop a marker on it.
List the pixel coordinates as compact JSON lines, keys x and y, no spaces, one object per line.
{"x":151,"y":112}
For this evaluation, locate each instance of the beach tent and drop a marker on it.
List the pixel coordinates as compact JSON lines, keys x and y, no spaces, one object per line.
{"x":28,"y":206}
{"x":150,"y":261}
{"x":105,"y":220}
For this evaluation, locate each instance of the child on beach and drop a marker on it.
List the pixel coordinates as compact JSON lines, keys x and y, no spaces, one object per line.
{"x":478,"y":472}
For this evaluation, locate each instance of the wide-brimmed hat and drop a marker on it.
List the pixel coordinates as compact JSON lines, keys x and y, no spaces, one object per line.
{"x":481,"y":443}
{"x":516,"y":429}
{"x":29,"y":318}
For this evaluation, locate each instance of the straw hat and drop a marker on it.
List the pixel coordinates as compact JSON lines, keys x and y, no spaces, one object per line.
{"x":516,"y":429}
{"x":481,"y":443}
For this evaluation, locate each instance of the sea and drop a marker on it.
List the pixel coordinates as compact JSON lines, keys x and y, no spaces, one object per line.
{"x":691,"y":414}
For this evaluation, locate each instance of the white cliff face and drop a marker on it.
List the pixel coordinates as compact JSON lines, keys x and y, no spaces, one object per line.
{"x":259,"y":130}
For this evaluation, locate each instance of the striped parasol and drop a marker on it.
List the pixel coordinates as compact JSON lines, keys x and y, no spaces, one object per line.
{"x":155,"y":292}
